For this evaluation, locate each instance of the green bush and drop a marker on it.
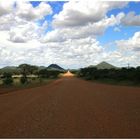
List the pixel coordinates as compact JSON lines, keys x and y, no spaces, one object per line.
{"x":122,"y":74}
{"x":44,"y":73}
{"x":23,"y":80}
{"x":7,"y":79}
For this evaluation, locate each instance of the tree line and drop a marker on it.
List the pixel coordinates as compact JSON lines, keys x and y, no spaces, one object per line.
{"x":121,"y":74}
{"x":25,"y":70}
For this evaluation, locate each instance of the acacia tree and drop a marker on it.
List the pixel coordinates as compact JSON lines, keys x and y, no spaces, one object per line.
{"x":24,"y":69}
{"x":32,"y":69}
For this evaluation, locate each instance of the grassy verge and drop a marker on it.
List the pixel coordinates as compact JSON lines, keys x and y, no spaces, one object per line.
{"x":18,"y":86}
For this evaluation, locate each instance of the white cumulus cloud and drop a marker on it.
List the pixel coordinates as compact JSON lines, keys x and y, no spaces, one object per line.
{"x":72,"y":41}
{"x":78,"y":13}
{"x":27,"y":11}
{"x":6,"y":7}
{"x":132,"y":44}
{"x":131,"y":19}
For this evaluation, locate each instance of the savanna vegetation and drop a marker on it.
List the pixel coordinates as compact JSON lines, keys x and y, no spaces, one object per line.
{"x":120,"y":76}
{"x":26,"y":75}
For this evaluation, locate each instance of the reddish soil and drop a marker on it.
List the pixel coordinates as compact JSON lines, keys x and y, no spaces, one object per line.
{"x":68,"y":74}
{"x":71,"y":108}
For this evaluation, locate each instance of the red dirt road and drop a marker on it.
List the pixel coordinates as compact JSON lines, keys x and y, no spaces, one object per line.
{"x":71,"y":108}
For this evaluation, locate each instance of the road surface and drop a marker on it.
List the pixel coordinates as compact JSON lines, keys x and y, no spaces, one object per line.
{"x":71,"y":108}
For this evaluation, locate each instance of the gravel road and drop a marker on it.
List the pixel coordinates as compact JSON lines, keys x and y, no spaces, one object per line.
{"x":71,"y":108}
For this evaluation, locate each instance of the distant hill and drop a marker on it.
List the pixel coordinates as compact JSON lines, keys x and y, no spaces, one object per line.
{"x":55,"y":67}
{"x":41,"y":67}
{"x":105,"y":65}
{"x":8,"y":69}
{"x":14,"y":69}
{"x":90,"y":66}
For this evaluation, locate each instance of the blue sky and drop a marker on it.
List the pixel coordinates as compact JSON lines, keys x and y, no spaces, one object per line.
{"x":126,"y":31}
{"x":56,"y":6}
{"x":109,"y":35}
{"x":71,"y":34}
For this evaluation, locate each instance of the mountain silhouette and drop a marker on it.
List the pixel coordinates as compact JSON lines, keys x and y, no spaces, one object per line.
{"x":55,"y":67}
{"x":105,"y":65}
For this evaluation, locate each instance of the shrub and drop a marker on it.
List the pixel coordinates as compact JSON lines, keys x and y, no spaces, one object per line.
{"x":123,"y":74}
{"x":23,"y":80}
{"x":44,"y":73}
{"x":7,"y":79}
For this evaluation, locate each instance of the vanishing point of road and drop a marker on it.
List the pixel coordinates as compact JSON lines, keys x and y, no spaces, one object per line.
{"x":71,"y":108}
